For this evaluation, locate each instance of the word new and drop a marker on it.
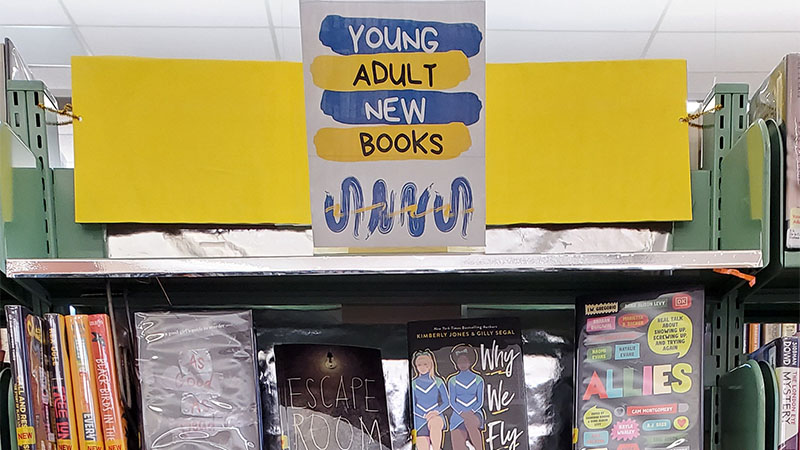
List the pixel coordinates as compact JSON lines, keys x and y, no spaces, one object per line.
{"x":655,"y":380}
{"x":385,"y":107}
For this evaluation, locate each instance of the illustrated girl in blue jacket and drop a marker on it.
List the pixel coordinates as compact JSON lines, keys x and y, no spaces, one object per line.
{"x":430,"y":399}
{"x":466,"y":389}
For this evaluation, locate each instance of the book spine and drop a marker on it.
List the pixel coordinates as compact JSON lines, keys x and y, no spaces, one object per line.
{"x":90,"y":436}
{"x":20,"y":371}
{"x":107,"y":382}
{"x":770,"y":332}
{"x":788,"y":329}
{"x":754,"y":338}
{"x":787,"y":371}
{"x":40,"y":381}
{"x":65,"y":424}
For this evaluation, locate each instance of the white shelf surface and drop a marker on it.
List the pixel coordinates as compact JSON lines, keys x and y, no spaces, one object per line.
{"x":382,"y":264}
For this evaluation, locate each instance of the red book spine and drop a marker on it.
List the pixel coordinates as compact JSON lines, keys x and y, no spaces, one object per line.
{"x":107,"y":384}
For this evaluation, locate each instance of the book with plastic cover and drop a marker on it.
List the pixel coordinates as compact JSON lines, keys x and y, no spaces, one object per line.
{"x":468,"y":384}
{"x":198,"y":380}
{"x":639,"y":381}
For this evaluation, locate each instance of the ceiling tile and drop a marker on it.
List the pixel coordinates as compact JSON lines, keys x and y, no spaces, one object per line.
{"x":761,"y":15}
{"x":201,"y":43}
{"x":32,"y":12}
{"x":696,"y":48}
{"x":699,"y":84}
{"x":172,"y":13}
{"x":44,"y":45}
{"x":532,"y":46}
{"x":285,"y":13}
{"x":58,"y":79}
{"x":289,"y":44}
{"x":575,"y":15}
{"x":753,"y":52}
{"x":689,"y":15}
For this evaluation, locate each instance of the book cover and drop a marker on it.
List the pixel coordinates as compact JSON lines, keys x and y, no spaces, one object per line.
{"x":639,"y":381}
{"x":198,"y":380}
{"x":332,"y":391}
{"x":468,"y":384}
{"x":114,"y":431}
{"x":84,"y":386}
{"x":782,"y":354}
{"x":65,"y":422}
{"x":30,"y":379}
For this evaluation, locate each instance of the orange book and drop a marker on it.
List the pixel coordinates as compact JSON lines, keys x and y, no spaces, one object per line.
{"x":105,"y":367}
{"x":65,"y":425}
{"x":87,"y":406}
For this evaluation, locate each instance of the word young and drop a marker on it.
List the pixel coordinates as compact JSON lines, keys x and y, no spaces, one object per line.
{"x":403,"y":41}
{"x":655,"y":380}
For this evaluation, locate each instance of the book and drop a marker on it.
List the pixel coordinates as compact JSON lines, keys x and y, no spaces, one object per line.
{"x":468,"y":384}
{"x":770,"y":332}
{"x":114,"y":432}
{"x":30,"y":379}
{"x":84,"y":384}
{"x":639,"y":381}
{"x":753,"y":337}
{"x":65,"y":422}
{"x":782,"y":355}
{"x":198,"y":380}
{"x":333,"y":387}
{"x":788,"y":329}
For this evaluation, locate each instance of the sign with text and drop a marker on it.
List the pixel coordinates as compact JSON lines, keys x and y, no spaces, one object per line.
{"x":396,"y":122}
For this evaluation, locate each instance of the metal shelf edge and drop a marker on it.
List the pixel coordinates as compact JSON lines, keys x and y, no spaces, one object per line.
{"x":382,"y":264}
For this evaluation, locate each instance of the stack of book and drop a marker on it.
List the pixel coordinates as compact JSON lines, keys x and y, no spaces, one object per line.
{"x":65,"y":384}
{"x":758,"y":334}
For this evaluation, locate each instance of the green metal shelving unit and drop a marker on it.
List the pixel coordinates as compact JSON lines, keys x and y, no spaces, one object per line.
{"x":50,"y":262}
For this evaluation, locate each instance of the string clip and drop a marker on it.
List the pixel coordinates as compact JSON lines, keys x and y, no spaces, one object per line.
{"x":65,"y":111}
{"x":690,"y":117}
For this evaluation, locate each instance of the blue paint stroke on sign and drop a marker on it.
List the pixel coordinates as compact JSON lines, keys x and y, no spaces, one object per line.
{"x":366,"y":35}
{"x":401,"y":107}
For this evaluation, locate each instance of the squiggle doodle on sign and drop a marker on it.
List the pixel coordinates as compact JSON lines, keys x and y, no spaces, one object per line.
{"x":413,"y":208}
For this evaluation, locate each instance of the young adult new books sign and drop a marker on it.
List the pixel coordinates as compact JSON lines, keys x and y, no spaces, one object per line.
{"x":395,"y":121}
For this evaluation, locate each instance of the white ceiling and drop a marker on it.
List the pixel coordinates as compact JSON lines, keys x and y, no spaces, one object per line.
{"x":722,"y":40}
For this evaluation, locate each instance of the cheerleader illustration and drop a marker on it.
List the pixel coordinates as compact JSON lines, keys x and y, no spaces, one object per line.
{"x":430,"y":401}
{"x":466,"y":398}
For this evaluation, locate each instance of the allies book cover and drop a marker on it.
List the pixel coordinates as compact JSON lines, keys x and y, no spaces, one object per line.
{"x":198,"y":385}
{"x":332,"y":397}
{"x":65,"y":423}
{"x":468,"y":384}
{"x":30,"y":379}
{"x":639,"y":381}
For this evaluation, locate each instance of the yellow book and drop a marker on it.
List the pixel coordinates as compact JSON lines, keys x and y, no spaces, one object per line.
{"x":87,"y":407}
{"x":65,"y":426}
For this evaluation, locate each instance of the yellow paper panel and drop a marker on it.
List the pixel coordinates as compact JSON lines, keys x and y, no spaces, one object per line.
{"x":192,"y":141}
{"x":587,"y":142}
{"x":189,"y":141}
